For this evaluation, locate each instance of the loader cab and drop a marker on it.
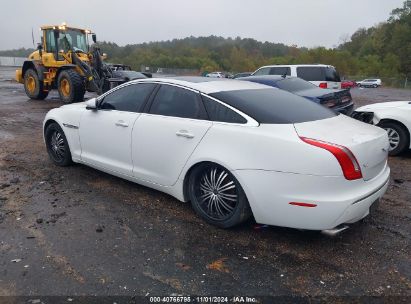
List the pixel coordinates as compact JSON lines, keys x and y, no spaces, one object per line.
{"x":62,"y":39}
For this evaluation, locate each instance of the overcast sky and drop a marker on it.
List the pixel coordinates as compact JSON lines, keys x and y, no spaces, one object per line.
{"x":302,"y":22}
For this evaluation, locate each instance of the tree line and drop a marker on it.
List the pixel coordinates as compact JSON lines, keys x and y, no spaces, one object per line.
{"x":383,"y":50}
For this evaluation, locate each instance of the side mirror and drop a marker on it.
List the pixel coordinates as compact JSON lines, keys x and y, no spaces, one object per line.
{"x":91,"y":104}
{"x":94,"y":37}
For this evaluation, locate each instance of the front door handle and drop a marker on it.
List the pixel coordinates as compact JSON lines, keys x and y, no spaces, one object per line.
{"x":184,"y":133}
{"x":121,"y":123}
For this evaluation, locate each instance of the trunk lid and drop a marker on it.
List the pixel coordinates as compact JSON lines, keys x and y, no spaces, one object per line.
{"x":368,"y":143}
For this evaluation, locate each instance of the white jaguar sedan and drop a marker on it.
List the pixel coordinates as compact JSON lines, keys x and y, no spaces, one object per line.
{"x":232,"y":148}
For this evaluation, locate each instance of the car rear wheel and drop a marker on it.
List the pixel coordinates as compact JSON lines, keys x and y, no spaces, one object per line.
{"x":217,"y":196}
{"x":57,"y":145}
{"x":398,"y":137}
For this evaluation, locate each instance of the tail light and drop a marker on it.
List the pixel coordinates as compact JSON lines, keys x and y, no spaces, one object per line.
{"x":349,"y":164}
{"x":323,"y":85}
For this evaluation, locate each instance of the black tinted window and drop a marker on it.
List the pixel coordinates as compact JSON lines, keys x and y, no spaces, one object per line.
{"x":274,"y":106}
{"x":262,"y":71}
{"x":280,"y":71}
{"x":332,"y":75}
{"x":294,"y":84}
{"x":311,"y":73}
{"x":129,"y":98}
{"x":178,"y":102}
{"x":218,"y":112}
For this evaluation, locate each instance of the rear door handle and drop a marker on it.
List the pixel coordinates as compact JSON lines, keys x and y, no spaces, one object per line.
{"x":121,"y":123}
{"x":184,"y":133}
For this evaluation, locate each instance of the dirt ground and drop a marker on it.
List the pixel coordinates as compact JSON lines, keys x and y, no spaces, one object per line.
{"x":78,"y":232}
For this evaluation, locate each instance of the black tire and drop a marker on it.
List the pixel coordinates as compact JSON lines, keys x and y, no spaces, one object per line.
{"x":57,"y":145}
{"x":36,"y":91}
{"x":70,"y":86}
{"x":230,"y":208}
{"x":375,"y":86}
{"x":396,"y":131}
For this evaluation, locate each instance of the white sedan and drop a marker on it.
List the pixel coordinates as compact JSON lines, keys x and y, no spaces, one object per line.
{"x":233,"y":148}
{"x":394,"y":117}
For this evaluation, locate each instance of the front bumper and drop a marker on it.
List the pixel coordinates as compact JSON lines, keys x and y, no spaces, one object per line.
{"x":337,"y":200}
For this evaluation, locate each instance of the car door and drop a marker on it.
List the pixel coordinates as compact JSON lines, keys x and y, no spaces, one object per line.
{"x":166,"y":136}
{"x":105,"y":133}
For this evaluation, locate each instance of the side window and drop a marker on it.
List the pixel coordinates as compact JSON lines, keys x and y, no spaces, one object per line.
{"x":178,"y":102}
{"x":129,"y":98}
{"x":311,"y":73}
{"x":262,"y":71}
{"x":218,"y":112}
{"x":280,"y":71}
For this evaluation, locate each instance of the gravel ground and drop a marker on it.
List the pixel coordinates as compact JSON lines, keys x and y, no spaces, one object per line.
{"x":78,"y":232}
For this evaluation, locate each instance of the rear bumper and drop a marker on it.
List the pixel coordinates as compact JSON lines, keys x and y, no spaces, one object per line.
{"x":337,"y":201}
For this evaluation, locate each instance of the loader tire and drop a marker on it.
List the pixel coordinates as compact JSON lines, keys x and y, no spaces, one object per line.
{"x":33,"y":86}
{"x":70,"y":86}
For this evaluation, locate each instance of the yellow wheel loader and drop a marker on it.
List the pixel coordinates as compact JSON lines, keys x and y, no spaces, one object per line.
{"x":65,"y":61}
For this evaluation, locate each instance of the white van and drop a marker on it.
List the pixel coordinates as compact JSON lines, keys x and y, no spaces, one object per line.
{"x":323,"y":76}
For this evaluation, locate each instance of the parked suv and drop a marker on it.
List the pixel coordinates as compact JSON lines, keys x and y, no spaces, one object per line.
{"x":369,"y":83}
{"x":321,"y":75}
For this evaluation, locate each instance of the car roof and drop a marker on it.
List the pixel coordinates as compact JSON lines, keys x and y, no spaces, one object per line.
{"x":207,"y":85}
{"x":297,"y":65}
{"x":267,"y":77}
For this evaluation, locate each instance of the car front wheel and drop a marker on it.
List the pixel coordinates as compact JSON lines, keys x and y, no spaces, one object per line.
{"x":217,"y":196}
{"x":398,"y":137}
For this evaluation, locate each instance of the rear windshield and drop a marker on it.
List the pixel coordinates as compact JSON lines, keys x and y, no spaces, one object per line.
{"x":294,"y":85}
{"x":318,"y":74}
{"x":274,"y":106}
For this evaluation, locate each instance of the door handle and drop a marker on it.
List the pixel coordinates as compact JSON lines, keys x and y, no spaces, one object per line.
{"x":121,"y":123}
{"x":184,"y":133}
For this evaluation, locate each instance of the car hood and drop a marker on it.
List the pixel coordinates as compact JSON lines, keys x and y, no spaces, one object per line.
{"x":384,"y":105}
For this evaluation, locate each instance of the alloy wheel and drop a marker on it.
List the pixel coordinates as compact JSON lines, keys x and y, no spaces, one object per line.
{"x":217,"y":193}
{"x":393,"y":137}
{"x":57,"y":146}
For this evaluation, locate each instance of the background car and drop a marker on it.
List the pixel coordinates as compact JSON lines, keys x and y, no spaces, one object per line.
{"x":369,"y":83}
{"x":394,"y":117}
{"x":233,"y":148}
{"x":348,"y":84}
{"x":128,"y":75}
{"x":338,"y":100}
{"x":216,"y":75}
{"x":243,"y":74}
{"x":321,"y":75}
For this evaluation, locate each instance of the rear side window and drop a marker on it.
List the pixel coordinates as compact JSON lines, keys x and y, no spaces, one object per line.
{"x":262,"y":71}
{"x":129,"y":98}
{"x":311,"y":73}
{"x":178,"y":102}
{"x":332,"y":75}
{"x":280,"y":71}
{"x":274,"y":106}
{"x":218,"y":112}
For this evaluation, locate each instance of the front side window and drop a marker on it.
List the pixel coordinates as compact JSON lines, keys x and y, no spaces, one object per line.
{"x":129,"y":98}
{"x":218,"y":112}
{"x":178,"y":102}
{"x":262,"y":71}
